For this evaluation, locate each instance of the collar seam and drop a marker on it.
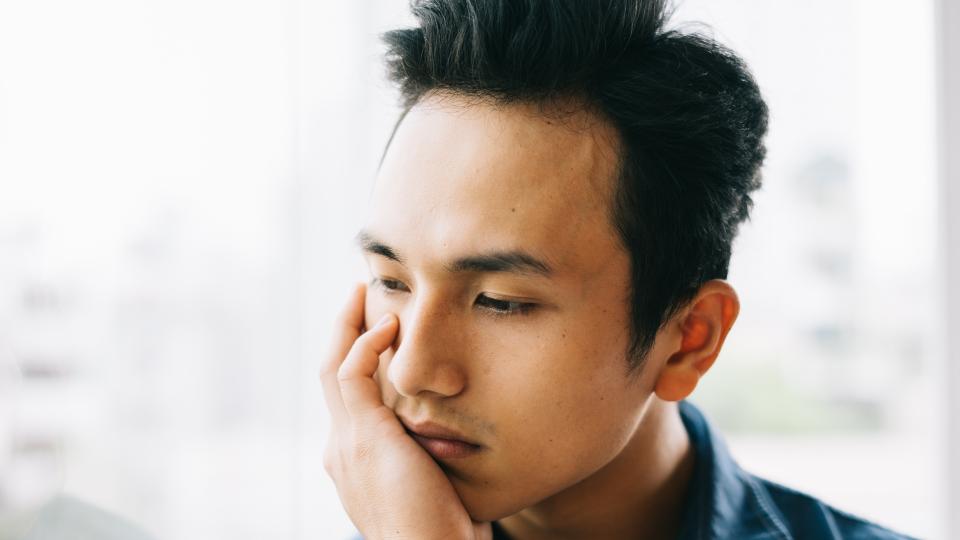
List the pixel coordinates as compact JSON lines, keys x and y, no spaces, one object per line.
{"x":774,"y":523}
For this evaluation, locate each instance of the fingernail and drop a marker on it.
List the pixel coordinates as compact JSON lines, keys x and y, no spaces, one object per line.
{"x":384,"y":320}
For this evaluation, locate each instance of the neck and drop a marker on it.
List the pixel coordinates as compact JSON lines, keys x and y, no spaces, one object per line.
{"x":639,"y":494}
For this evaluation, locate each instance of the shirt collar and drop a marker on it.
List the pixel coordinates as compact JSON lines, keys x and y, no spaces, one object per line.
{"x":723,"y":501}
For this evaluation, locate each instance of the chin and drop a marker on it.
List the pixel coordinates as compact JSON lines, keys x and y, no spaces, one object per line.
{"x":487,"y":511}
{"x":485,"y":504}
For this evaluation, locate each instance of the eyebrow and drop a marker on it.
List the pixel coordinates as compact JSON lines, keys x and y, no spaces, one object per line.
{"x":511,"y":261}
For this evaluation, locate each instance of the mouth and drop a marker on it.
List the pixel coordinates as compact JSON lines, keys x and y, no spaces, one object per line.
{"x":440,"y":442}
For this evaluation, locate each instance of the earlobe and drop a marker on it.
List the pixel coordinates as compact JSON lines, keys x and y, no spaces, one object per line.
{"x":703,"y":327}
{"x":676,"y":384}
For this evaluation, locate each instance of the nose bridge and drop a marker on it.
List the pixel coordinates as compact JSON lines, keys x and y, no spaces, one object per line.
{"x":425,"y":357}
{"x":427,"y":313}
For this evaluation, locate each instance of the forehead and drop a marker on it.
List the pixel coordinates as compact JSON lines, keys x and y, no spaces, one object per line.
{"x":465,"y":175}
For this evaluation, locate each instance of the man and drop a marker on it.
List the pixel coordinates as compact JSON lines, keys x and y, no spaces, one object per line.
{"x":548,"y":241}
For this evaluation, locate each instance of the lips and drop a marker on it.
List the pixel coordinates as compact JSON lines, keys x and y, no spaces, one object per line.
{"x":441,"y":442}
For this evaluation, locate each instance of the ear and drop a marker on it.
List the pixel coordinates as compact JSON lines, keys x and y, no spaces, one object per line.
{"x":703,"y":326}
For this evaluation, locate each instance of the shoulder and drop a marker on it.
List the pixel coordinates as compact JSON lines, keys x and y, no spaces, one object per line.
{"x":805,"y":516}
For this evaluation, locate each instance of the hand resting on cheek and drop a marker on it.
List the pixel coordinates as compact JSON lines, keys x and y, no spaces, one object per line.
{"x":389,"y":485}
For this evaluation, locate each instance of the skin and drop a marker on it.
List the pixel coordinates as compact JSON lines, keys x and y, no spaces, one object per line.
{"x":528,"y":364}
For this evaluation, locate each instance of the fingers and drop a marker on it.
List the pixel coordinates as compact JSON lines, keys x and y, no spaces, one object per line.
{"x":349,"y":387}
{"x":359,"y":391}
{"x":348,"y":325}
{"x":345,"y":333}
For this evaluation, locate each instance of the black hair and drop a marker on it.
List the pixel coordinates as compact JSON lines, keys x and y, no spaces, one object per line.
{"x":689,"y":114}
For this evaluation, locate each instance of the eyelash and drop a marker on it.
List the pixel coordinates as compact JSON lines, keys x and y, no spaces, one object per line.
{"x":392,"y":286}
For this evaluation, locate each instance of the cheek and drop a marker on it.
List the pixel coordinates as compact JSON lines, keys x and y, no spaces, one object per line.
{"x":572,"y":412}
{"x":563,"y":414}
{"x":547,"y":450}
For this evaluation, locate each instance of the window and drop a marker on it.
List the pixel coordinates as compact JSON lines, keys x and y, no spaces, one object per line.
{"x":179,"y":184}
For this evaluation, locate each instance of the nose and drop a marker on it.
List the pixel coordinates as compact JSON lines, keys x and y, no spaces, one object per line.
{"x":425,"y":360}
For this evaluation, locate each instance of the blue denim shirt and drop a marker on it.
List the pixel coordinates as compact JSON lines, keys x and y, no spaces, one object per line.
{"x":724,"y":502}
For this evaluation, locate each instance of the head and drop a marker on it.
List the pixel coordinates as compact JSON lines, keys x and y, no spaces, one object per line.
{"x":552,"y":223}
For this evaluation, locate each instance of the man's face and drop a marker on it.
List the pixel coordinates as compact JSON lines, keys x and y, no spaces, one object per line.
{"x":522,"y":353}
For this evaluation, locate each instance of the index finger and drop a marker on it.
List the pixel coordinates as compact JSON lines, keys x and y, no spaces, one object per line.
{"x":346,"y":330}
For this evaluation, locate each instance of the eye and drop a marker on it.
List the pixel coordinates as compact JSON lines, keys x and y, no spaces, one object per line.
{"x":502,"y":308}
{"x":390,"y":285}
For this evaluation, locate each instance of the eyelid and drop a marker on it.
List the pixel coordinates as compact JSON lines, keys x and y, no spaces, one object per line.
{"x":382,"y":284}
{"x":499,"y":298}
{"x":523,"y":307}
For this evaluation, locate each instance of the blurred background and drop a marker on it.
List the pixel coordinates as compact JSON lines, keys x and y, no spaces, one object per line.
{"x":180,"y":183}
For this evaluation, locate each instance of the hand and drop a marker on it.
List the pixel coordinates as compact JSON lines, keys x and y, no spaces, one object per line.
{"x":389,"y":485}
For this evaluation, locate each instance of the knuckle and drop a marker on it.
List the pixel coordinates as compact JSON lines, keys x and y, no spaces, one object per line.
{"x":331,"y":462}
{"x":341,"y":324}
{"x":344,"y":324}
{"x":330,"y":366}
{"x":343,"y":374}
{"x":362,"y":447}
{"x":325,"y":371}
{"x":364,"y":340}
{"x":362,"y":450}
